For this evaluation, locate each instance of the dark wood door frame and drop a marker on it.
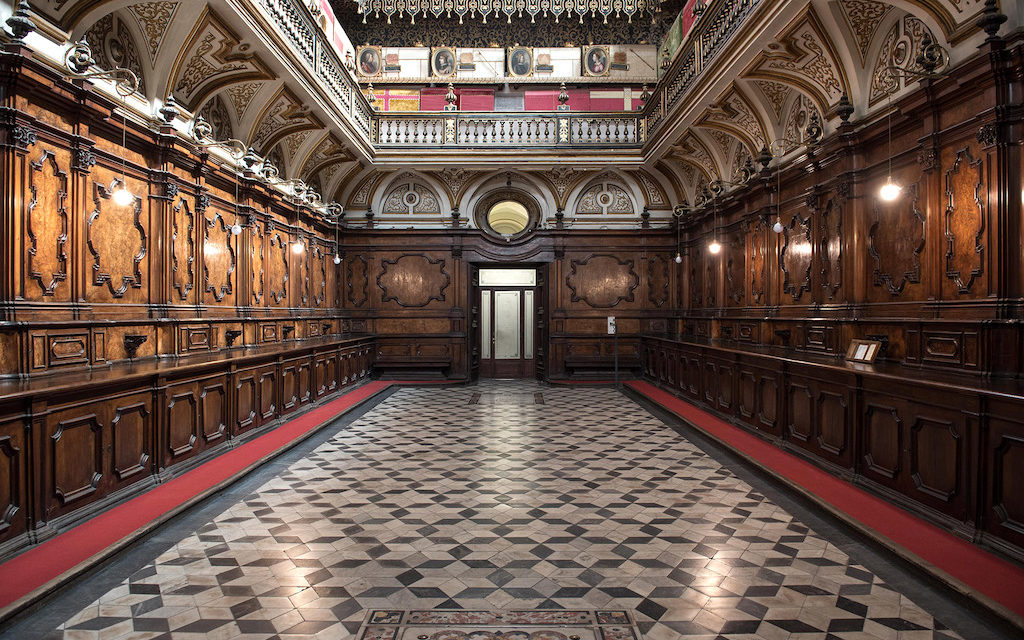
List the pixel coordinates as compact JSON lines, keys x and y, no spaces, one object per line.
{"x":540,"y":321}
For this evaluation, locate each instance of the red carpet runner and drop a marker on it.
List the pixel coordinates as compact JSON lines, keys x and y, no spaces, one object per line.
{"x":965,"y":562}
{"x":47,"y":562}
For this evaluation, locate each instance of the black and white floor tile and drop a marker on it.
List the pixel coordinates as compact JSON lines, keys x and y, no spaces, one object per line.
{"x":497,"y":497}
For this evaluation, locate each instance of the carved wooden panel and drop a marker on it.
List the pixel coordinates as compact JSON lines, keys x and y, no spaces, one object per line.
{"x":831,"y":247}
{"x":183,"y":248}
{"x":695,"y":279}
{"x":757,"y":262}
{"x":76,"y":448}
{"x":795,"y":257}
{"x":182,"y":423}
{"x":801,"y":412}
{"x":413,"y":280}
{"x":12,"y":462}
{"x":318,"y":276}
{"x":277,"y":267}
{"x":357,"y":280}
{"x":936,"y":457}
{"x":257,"y":239}
{"x":246,"y":399}
{"x":883,"y":440}
{"x":833,"y":422}
{"x":218,"y":256}
{"x":267,"y":392}
{"x":768,"y":406}
{"x":46,"y":226}
{"x":896,"y":241}
{"x":735,"y":272}
{"x":658,"y":280}
{"x":1006,"y":499}
{"x":130,"y":433}
{"x":601,"y":281}
{"x":302,"y":265}
{"x":117,"y":242}
{"x":964,"y":221}
{"x":213,"y":414}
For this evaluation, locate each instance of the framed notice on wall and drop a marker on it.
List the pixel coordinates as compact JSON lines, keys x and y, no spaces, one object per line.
{"x":863,"y":350}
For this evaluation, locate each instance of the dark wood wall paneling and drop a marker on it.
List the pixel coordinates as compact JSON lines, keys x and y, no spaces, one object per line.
{"x":937,"y":275}
{"x":228,"y":333}
{"x":411,"y":290}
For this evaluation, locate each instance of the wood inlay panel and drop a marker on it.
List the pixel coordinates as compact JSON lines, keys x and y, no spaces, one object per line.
{"x":601,"y":281}
{"x":116,"y":240}
{"x":46,"y":225}
{"x":77,"y":455}
{"x":413,"y":280}
{"x":130,"y":432}
{"x":218,"y":258}
{"x":182,"y":427}
{"x":964,"y":221}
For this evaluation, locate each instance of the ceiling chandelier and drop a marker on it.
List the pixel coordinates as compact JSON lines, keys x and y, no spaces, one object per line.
{"x":507,"y":8}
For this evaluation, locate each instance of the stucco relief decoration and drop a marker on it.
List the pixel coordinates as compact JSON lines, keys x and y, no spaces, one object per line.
{"x":602,"y":281}
{"x":734,"y":115}
{"x":864,"y":17}
{"x":154,"y":19}
{"x":242,"y":96}
{"x":214,"y":58}
{"x":113,"y":46}
{"x":775,"y":94}
{"x":408,"y":197}
{"x":901,"y":48}
{"x":283,"y":116}
{"x":604,"y":198}
{"x":803,"y":58}
{"x":413,"y":280}
{"x":800,"y":112}
{"x":216,"y":113}
{"x":329,"y":152}
{"x":655,"y":196}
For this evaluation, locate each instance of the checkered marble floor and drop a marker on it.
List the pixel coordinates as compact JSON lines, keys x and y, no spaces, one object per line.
{"x":497,"y":497}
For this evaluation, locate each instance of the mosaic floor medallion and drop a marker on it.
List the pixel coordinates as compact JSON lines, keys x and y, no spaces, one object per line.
{"x":459,"y":624}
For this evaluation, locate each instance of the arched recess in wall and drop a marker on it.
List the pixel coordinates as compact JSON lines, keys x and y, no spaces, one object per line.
{"x":410,"y":193}
{"x":610,"y":193}
{"x":496,"y":180}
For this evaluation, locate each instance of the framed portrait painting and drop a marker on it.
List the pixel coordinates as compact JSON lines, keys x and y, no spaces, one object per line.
{"x":442,"y":62}
{"x":520,"y":62}
{"x":369,"y":61}
{"x":595,"y":61}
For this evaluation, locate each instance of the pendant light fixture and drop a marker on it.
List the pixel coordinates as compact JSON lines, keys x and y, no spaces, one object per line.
{"x":122,"y":196}
{"x":298,"y":247}
{"x":714,"y":247}
{"x":236,"y":228}
{"x":677,"y":213}
{"x":890,"y":191}
{"x":337,"y":253}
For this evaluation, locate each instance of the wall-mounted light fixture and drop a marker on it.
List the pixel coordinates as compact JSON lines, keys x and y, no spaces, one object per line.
{"x":79,"y":61}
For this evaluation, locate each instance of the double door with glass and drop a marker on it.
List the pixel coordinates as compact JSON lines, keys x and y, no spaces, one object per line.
{"x":507,"y":326}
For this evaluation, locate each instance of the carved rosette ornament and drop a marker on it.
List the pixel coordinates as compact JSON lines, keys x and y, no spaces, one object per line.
{"x":83,"y":160}
{"x":988,"y":135}
{"x":22,"y":137}
{"x":928,"y":159}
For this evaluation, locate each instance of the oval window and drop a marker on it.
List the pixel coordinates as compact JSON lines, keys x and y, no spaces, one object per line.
{"x":508,"y":218}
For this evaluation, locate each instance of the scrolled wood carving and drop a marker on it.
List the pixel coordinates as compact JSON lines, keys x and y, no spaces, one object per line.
{"x":256,"y":247}
{"x":101,"y":194}
{"x":211,"y":249}
{"x":602,"y":281}
{"x":900,"y":244}
{"x":658,"y":280}
{"x":318,"y":281}
{"x":795,"y":257}
{"x":965,"y":220}
{"x":413,"y":280}
{"x":57,"y":198}
{"x":757,"y":265}
{"x":278,"y":243}
{"x":831,"y":247}
{"x":358,"y":279}
{"x":182,"y":276}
